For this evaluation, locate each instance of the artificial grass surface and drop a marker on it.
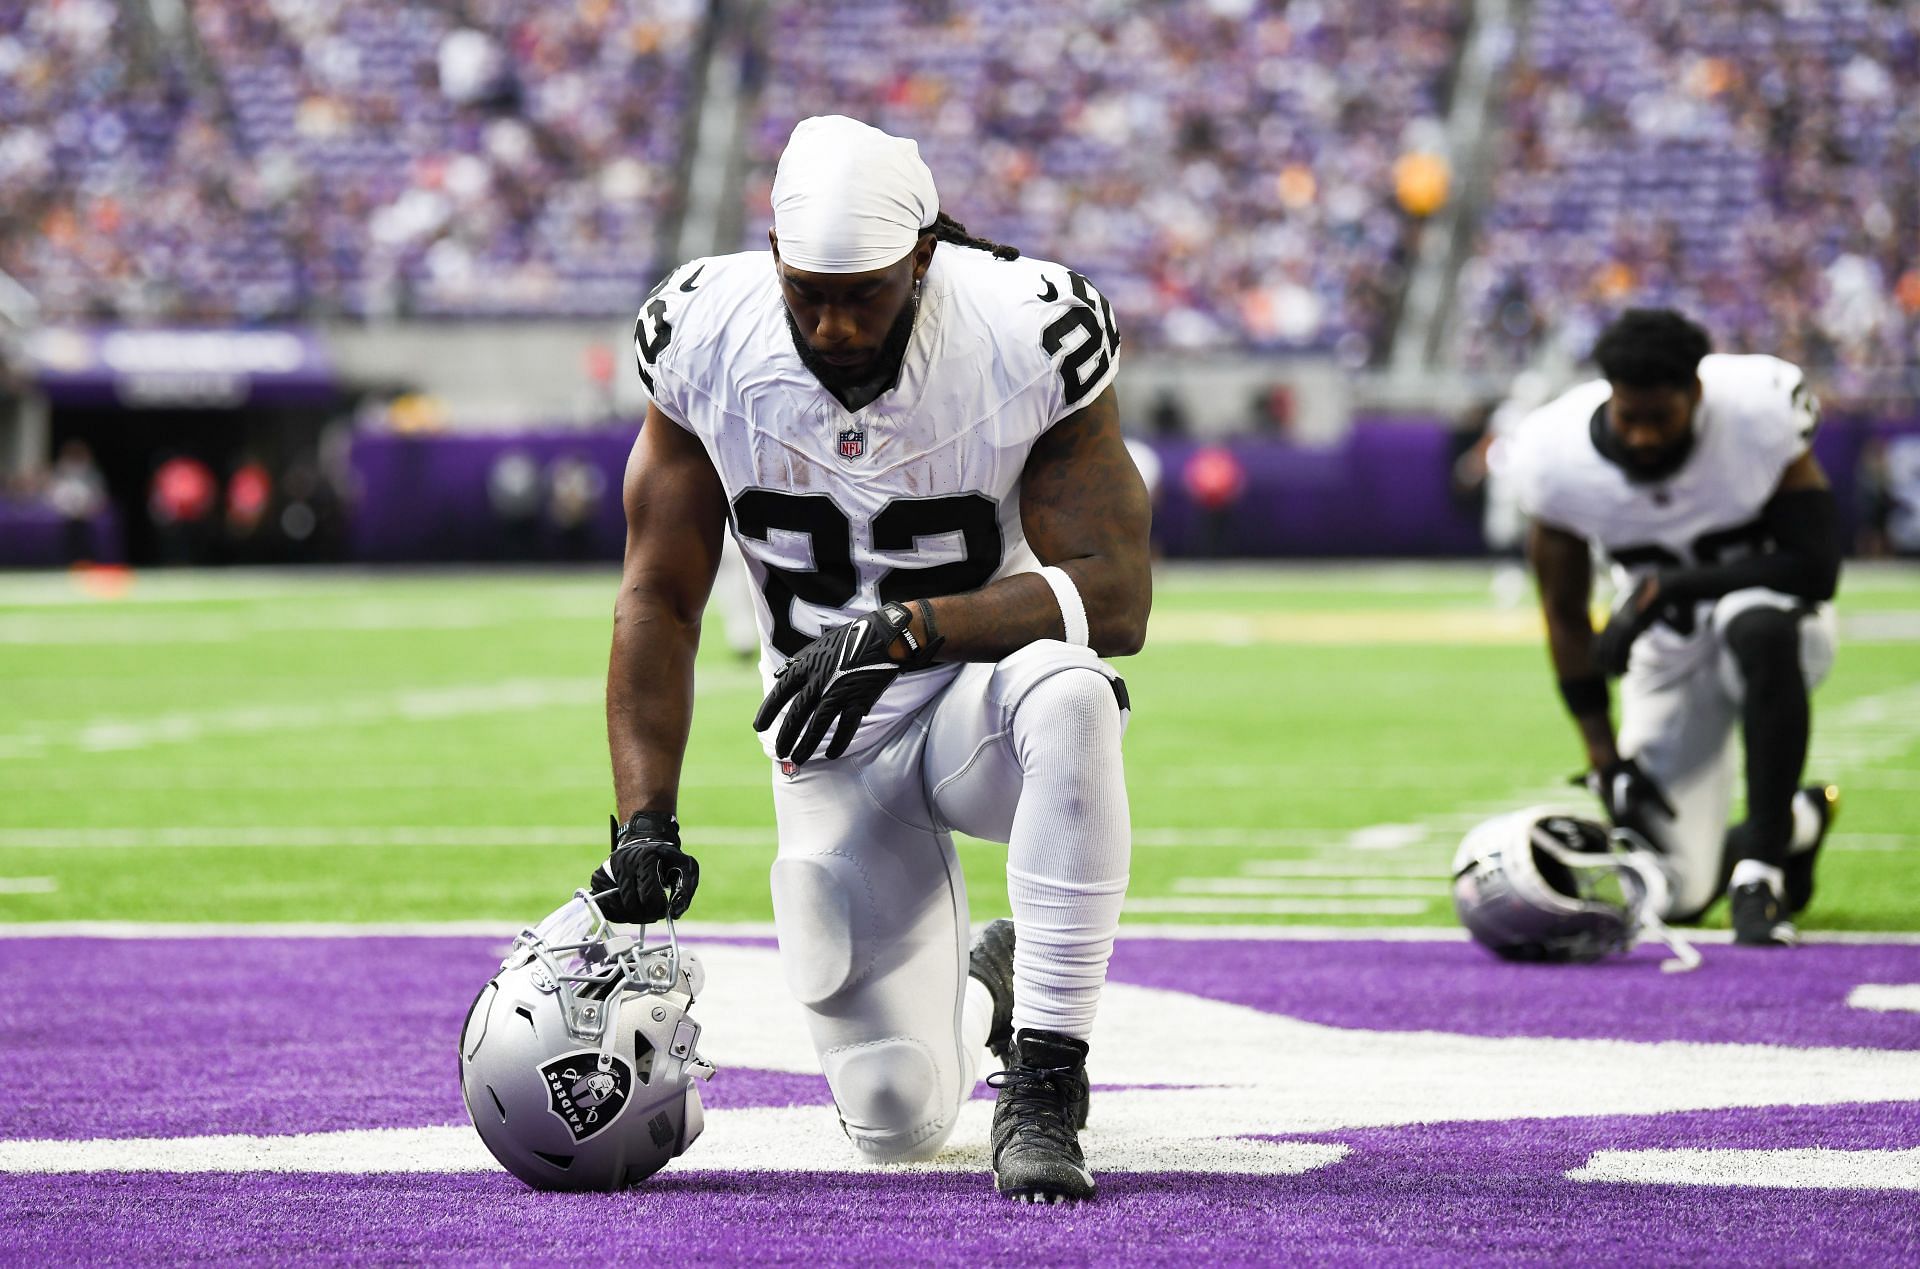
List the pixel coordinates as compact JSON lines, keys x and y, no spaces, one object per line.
{"x":429,"y":746}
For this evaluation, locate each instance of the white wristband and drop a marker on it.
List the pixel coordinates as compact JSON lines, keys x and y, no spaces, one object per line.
{"x":1073,"y":613}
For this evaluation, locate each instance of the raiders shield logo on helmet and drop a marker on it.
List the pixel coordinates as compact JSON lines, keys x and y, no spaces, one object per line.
{"x":587,"y":1090}
{"x":853,"y":443}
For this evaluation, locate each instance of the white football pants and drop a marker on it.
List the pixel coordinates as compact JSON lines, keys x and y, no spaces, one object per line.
{"x":1682,"y":730}
{"x":871,"y":909}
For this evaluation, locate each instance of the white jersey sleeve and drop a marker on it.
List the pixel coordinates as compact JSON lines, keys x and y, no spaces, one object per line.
{"x":659,"y":336}
{"x":1768,"y":402}
{"x":1548,"y":448}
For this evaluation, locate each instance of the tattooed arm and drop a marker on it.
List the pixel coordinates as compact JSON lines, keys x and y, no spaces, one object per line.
{"x":1084,"y":509}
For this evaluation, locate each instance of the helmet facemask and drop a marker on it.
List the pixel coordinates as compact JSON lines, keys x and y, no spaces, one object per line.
{"x":578,"y":1058}
{"x":1546,"y":886}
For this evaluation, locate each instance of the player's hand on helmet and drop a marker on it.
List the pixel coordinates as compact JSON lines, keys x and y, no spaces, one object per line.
{"x":833,"y":681}
{"x":1641,"y":607}
{"x":647,"y":871}
{"x":1628,"y":793}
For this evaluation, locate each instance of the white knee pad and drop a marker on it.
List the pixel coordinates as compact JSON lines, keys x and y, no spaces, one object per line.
{"x":888,"y":1092}
{"x":820,"y":903}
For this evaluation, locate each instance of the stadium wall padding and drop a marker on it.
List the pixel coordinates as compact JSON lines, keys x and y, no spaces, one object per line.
{"x":1385,"y":490}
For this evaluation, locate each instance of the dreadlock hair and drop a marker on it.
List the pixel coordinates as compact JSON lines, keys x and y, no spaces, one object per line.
{"x":946,"y":229}
{"x":1651,"y":348}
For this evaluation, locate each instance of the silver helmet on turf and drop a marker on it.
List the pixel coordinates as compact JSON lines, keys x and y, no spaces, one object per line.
{"x":1548,"y":885}
{"x":578,"y":1058}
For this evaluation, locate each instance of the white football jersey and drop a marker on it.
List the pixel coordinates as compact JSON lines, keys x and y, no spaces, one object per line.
{"x":915,"y":494}
{"x":1756,"y":416}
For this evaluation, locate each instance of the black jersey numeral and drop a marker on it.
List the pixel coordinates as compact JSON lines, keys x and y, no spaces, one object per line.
{"x":832,"y":581}
{"x":1084,"y":338}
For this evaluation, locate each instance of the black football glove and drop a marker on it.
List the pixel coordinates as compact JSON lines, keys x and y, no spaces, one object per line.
{"x":836,"y":679}
{"x":647,"y":871}
{"x":1628,"y":793}
{"x":1642,"y":606}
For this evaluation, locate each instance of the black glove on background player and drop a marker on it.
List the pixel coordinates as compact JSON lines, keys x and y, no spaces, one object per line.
{"x":647,"y":870}
{"x":834,"y":681}
{"x":1629,"y":794}
{"x":1643,"y":605}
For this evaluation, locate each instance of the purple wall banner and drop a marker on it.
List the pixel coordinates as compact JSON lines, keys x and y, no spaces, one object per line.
{"x":180,"y":368}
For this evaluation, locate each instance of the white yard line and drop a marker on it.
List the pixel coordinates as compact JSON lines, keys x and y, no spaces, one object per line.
{"x":1886,"y":997}
{"x":1865,"y":732}
{"x":1279,"y":907}
{"x":1815,"y":1168}
{"x":288,"y":836}
{"x":429,"y":704}
{"x":1284,"y":887}
{"x":28,"y":885}
{"x":1341,"y":868}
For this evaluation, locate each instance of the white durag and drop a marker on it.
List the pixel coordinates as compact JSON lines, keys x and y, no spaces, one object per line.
{"x":848,"y":198}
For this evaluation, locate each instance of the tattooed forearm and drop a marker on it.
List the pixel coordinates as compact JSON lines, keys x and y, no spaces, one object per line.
{"x":1084,"y":509}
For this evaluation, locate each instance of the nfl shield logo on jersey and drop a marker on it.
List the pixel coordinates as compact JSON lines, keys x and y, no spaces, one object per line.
{"x":853,"y":443}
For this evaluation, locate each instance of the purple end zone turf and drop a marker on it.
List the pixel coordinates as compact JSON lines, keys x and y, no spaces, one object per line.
{"x":1486,"y":1193}
{"x":112,"y":1038}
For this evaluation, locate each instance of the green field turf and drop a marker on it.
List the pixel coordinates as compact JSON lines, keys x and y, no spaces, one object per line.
{"x":1307,"y":746}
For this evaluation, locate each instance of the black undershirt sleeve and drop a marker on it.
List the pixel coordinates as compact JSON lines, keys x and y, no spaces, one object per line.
{"x":1805,"y":561}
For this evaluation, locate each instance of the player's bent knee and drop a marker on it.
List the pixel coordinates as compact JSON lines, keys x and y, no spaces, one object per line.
{"x":819,"y":902}
{"x":1076,"y":706}
{"x":888,"y":1093}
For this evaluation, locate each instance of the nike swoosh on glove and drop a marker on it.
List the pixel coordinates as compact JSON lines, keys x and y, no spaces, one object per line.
{"x":833,"y":681}
{"x":1627,"y":793}
{"x":1613,"y":647}
{"x":647,"y":871}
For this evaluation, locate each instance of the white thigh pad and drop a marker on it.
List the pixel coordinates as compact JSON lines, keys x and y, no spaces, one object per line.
{"x":818,"y":902}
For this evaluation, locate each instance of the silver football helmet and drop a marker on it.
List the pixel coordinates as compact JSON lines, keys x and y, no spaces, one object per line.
{"x":1548,"y":885}
{"x":578,"y":1058}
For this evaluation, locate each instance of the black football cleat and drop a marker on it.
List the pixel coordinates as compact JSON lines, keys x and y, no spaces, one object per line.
{"x":1825,"y":801}
{"x":1043,"y":1094}
{"x":1759,"y":920}
{"x":991,"y":961}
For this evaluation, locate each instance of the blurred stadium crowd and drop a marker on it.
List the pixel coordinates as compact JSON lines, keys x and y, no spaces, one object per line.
{"x":300,"y":157}
{"x":1226,"y":170}
{"x":1754,"y":163}
{"x":1242,"y":174}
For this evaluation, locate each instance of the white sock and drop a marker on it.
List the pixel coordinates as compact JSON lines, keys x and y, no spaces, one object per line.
{"x":1751,"y":870}
{"x":1806,"y":824}
{"x":1069,"y":850}
{"x":976,"y":1019}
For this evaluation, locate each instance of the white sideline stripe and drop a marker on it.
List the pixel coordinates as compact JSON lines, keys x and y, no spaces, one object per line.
{"x":505,"y":930}
{"x":1886,"y":997}
{"x":756,"y":1139}
{"x":1813,"y":1168}
{"x":1285,"y":886}
{"x":1281,"y":907}
{"x":28,"y":885}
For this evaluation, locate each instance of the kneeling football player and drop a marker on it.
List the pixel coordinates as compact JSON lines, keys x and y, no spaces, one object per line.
{"x":912,"y":435}
{"x":1692,"y":472}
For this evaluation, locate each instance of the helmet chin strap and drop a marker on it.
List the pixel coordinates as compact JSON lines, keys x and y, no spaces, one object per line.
{"x":1637,"y":854}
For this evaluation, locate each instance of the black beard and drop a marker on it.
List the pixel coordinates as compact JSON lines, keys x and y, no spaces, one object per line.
{"x":1640,"y":467}
{"x":878,"y":375}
